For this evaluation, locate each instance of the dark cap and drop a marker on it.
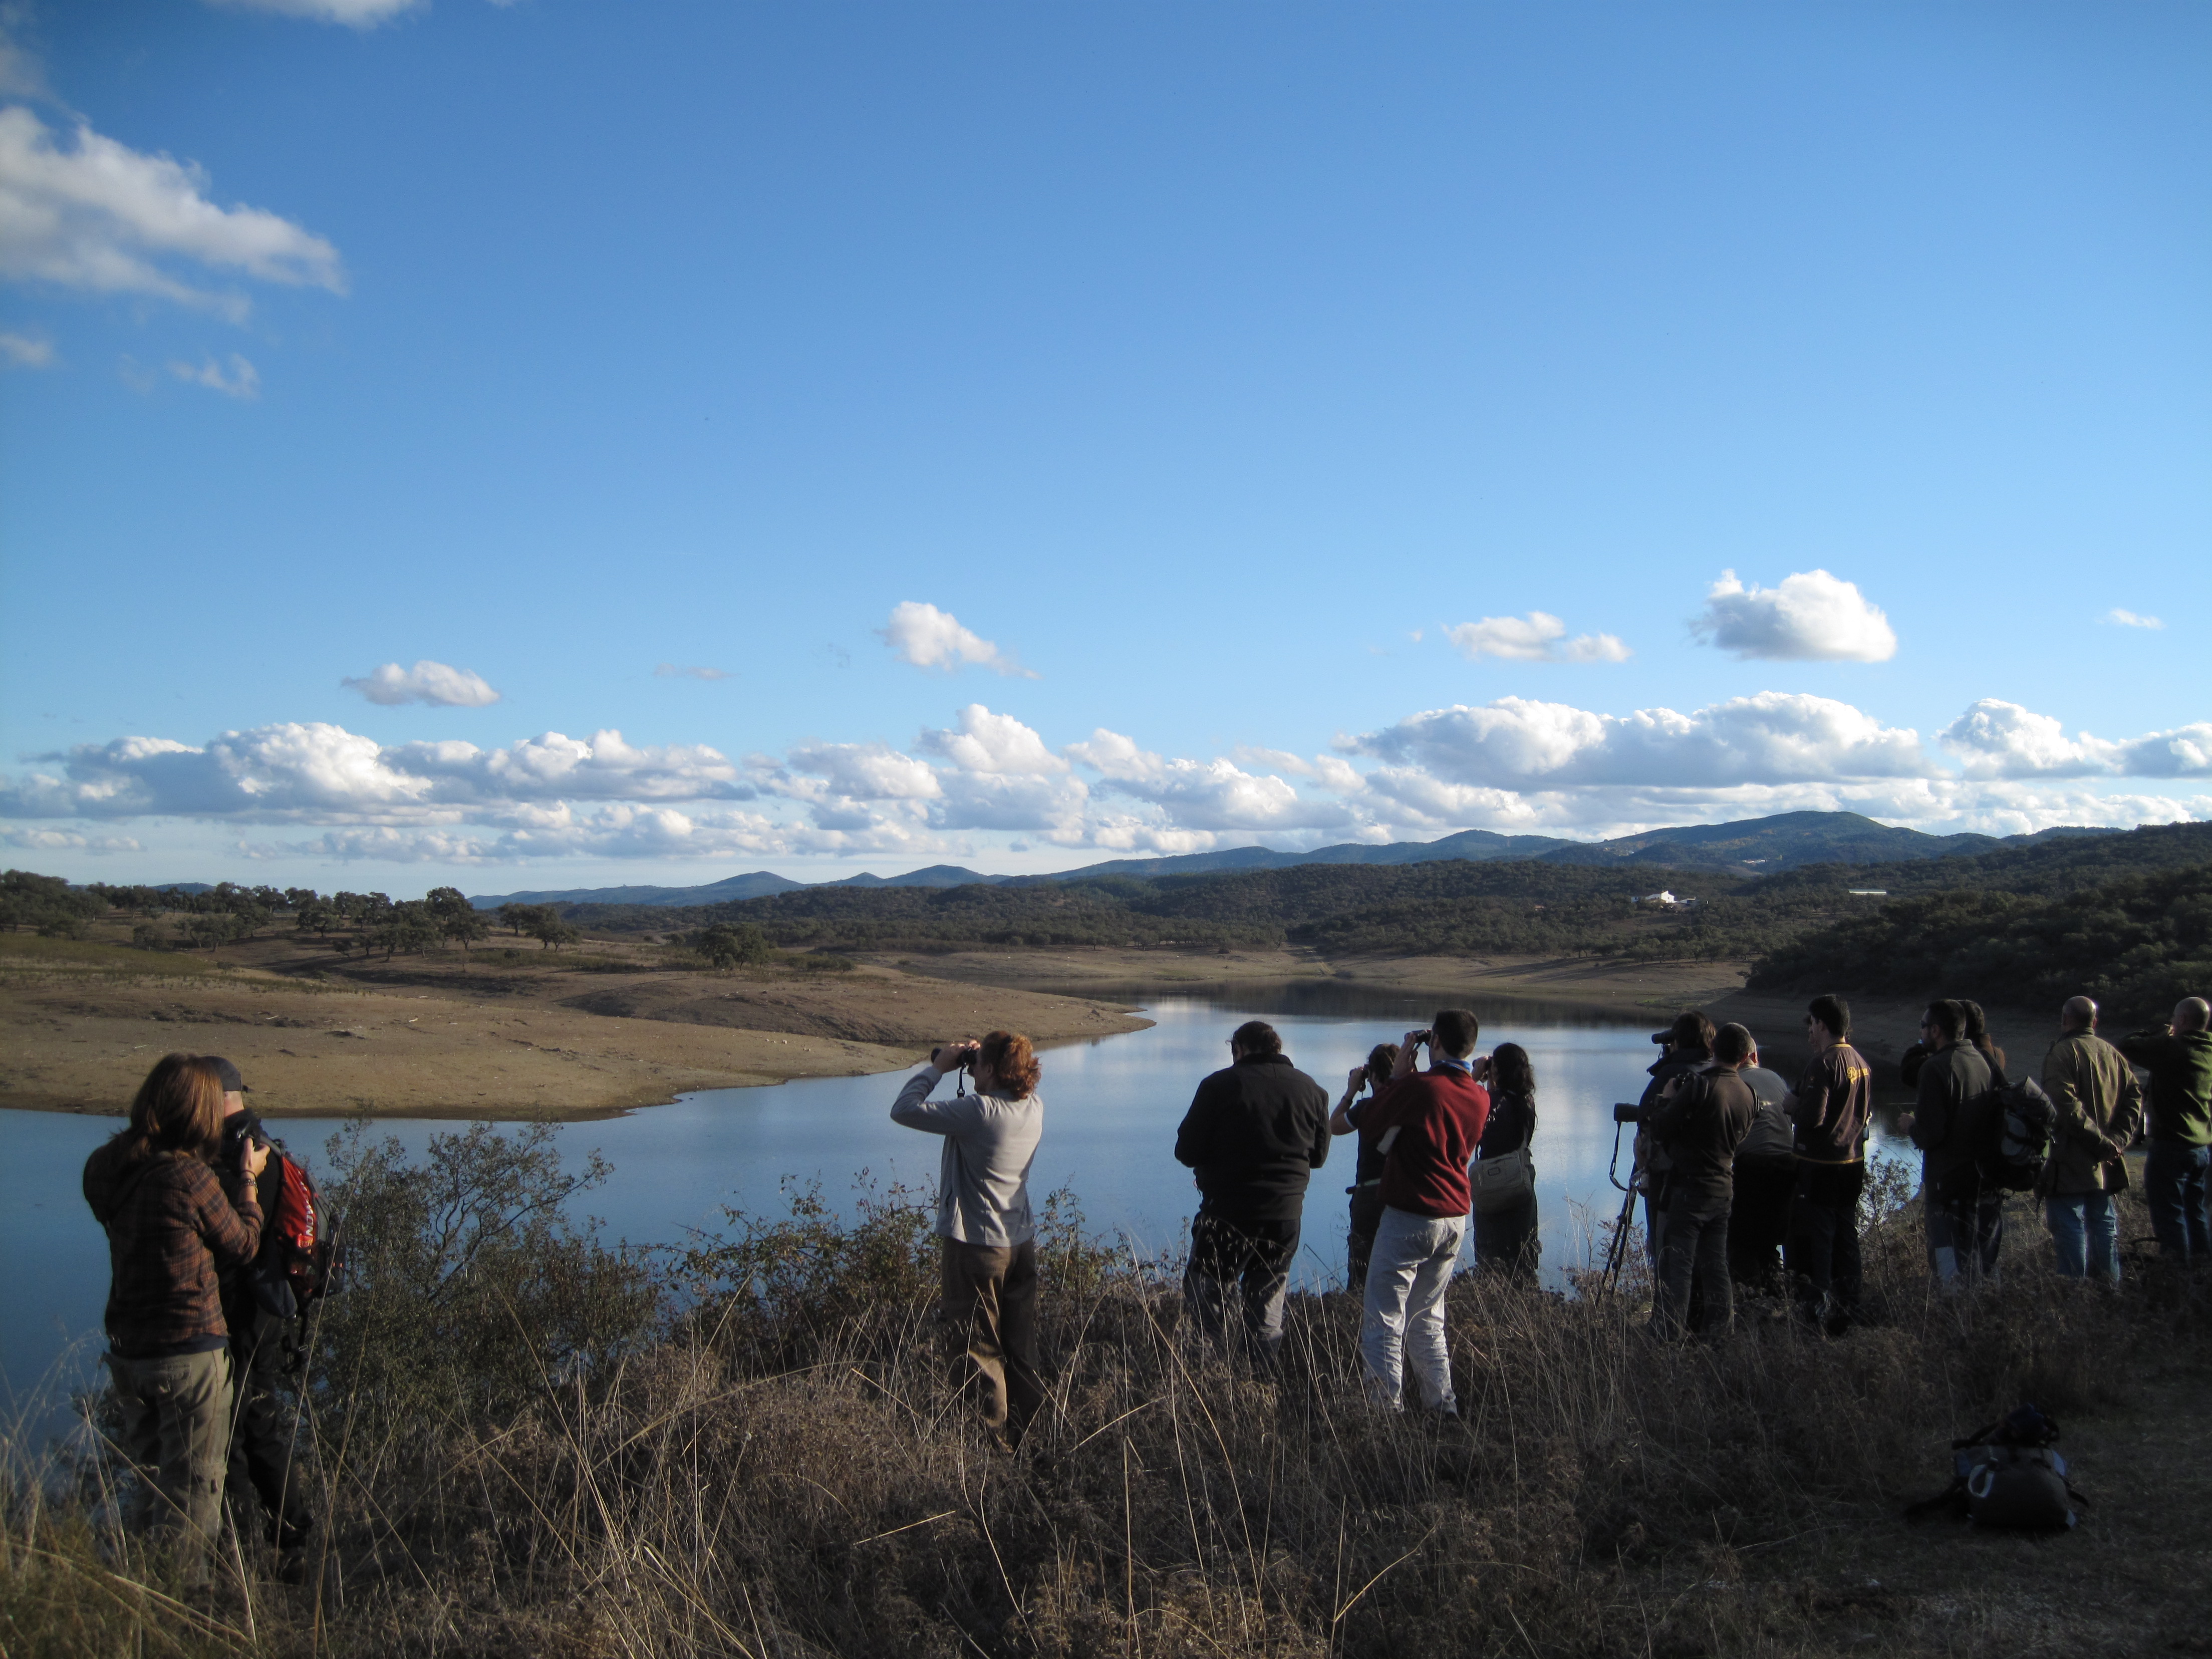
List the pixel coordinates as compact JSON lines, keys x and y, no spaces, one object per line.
{"x":232,"y":1083}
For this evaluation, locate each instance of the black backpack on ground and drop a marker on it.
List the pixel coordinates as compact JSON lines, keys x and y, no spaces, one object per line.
{"x":2008,"y":1475}
{"x":2013,"y":1126}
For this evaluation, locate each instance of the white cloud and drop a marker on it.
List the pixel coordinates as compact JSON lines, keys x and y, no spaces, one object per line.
{"x":21,"y":76}
{"x":1212,"y":795}
{"x":1536,"y":637}
{"x":244,"y":380}
{"x":358,"y":13}
{"x":433,"y":683}
{"x":2120,"y":618}
{"x":24,"y":351}
{"x":930,"y":638}
{"x":866,"y":771}
{"x":1772,"y":736}
{"x":97,"y":214}
{"x":65,"y":841}
{"x":1998,"y":740}
{"x":985,"y":742}
{"x":321,"y":774}
{"x":669,"y":670}
{"x":1812,"y":617}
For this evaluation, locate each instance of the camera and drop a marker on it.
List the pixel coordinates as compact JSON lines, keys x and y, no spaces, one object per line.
{"x":1663,"y":1038}
{"x":1627,"y":1111}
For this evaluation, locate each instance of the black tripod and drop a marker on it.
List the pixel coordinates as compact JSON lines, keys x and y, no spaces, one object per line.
{"x":1616,"y":1250}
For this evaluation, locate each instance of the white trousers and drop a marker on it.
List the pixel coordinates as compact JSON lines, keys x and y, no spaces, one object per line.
{"x":1401,"y":1322}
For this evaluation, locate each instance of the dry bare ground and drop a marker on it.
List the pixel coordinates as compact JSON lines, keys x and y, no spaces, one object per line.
{"x":778,"y":1468}
{"x":501,"y":1034}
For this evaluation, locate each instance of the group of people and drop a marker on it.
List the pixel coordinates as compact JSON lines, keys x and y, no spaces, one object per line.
{"x":196,"y":1352}
{"x":1747,"y":1179}
{"x":1256,"y":1132}
{"x":1734,"y":1162}
{"x":2098,"y":1111}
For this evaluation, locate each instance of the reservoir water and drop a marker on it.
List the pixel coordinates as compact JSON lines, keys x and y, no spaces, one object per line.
{"x":1111,"y":1109}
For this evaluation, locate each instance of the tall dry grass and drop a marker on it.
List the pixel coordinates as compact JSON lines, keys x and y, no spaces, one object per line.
{"x":769,"y":1459}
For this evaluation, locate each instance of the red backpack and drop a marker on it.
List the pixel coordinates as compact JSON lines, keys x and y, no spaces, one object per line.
{"x":298,"y":1261}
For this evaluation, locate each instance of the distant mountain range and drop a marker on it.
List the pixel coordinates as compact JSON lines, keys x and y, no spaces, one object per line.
{"x":1748,"y":847}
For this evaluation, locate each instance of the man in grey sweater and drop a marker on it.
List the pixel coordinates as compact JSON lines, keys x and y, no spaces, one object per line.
{"x":990,"y":1260}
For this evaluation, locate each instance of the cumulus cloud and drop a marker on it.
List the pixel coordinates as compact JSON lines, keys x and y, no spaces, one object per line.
{"x":243,"y":381}
{"x":91,"y":213}
{"x":25,"y":351}
{"x":1538,"y":637}
{"x":1812,"y":617}
{"x":669,"y":670}
{"x":433,"y":683}
{"x":930,"y":638}
{"x":321,"y":774}
{"x":2120,"y":618}
{"x":998,"y":744}
{"x":1998,"y":740}
{"x":1210,"y":795}
{"x":1516,"y":742}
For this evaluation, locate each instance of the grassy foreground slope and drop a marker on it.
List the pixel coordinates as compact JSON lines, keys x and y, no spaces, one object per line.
{"x":526,"y":1443}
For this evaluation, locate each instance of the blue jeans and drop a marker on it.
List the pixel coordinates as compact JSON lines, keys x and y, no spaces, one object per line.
{"x":2173,"y":1187}
{"x":2085,"y":1229}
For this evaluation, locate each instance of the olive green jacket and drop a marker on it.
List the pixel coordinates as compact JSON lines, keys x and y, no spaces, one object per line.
{"x":2180,"y":1070}
{"x":2100,"y":1112}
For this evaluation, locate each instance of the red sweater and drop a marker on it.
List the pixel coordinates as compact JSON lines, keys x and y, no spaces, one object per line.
{"x":1439,"y":1116}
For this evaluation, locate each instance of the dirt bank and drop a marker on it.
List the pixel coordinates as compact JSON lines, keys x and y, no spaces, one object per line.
{"x":431,"y":1036}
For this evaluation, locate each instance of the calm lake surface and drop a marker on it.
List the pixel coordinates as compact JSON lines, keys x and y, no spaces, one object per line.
{"x":1111,"y":1109}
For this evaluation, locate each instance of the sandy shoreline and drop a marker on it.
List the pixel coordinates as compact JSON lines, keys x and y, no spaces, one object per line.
{"x":508,"y":1034}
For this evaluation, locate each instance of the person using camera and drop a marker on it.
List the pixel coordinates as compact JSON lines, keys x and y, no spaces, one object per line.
{"x":1686,"y":1046}
{"x":987,"y":1262}
{"x":1427,"y":1125}
{"x":1366,"y":1189}
{"x":1505,"y":1239}
{"x":1700,"y":1119}
{"x":1832,"y":1107}
{"x":1256,"y":1133}
{"x":266,"y":1350}
{"x":173,"y":1223}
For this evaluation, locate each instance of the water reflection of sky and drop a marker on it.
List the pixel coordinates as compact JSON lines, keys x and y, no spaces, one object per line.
{"x":1111,"y":1105}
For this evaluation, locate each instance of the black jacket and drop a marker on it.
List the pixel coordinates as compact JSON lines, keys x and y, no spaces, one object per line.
{"x":1700,"y":1129}
{"x":1255,"y":1134}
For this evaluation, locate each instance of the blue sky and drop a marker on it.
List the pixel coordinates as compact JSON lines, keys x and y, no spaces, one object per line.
{"x":1065,"y":432}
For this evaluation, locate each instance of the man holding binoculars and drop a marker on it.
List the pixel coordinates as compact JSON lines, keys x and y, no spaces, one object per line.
{"x":1426,"y":1125}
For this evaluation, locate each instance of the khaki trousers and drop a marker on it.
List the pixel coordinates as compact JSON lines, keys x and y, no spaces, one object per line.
{"x":990,"y":1318}
{"x":176,"y":1429}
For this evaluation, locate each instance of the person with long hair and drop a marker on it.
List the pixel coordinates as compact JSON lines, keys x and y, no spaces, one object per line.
{"x":1978,"y":1033}
{"x":1505,"y":1239}
{"x":1366,"y":1189}
{"x":988,"y":1269}
{"x":173,"y":1225}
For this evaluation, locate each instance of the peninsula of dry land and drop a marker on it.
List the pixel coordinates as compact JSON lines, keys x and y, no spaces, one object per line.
{"x":611,"y":1024}
{"x":497,"y":1033}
